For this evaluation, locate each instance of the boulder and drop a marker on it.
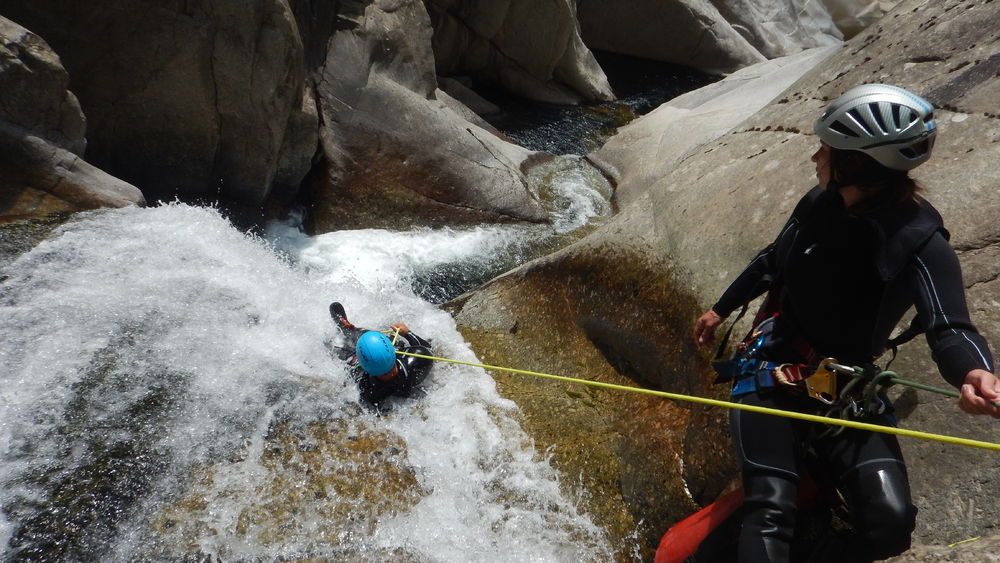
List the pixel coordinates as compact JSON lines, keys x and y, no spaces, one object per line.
{"x":721,"y":36}
{"x":191,"y":99}
{"x":421,"y":162}
{"x":778,"y":28}
{"x":702,"y":219}
{"x":532,"y":49}
{"x":640,"y":28}
{"x":605,"y":310}
{"x":41,"y":178}
{"x":36,"y":89}
{"x":464,"y":111}
{"x":463,"y":93}
{"x":853,"y":16}
{"x":42,"y":136}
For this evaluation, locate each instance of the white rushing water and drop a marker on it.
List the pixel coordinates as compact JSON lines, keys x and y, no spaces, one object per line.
{"x":150,"y":353}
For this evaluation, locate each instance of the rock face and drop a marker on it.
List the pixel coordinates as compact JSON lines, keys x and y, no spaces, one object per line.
{"x":853,"y":16}
{"x":530,"y":48}
{"x":777,"y":28}
{"x":975,"y":550}
{"x":605,"y":312}
{"x":641,"y":29}
{"x":197,"y":99}
{"x":211,"y":99}
{"x":622,"y":318}
{"x":36,"y":89}
{"x":418,"y":162}
{"x":720,"y":35}
{"x":335,"y":479}
{"x":42,"y":136}
{"x":697,"y":221}
{"x":639,"y":154}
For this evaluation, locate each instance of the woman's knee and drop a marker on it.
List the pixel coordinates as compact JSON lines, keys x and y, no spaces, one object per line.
{"x":889,"y":527}
{"x":884,"y":514}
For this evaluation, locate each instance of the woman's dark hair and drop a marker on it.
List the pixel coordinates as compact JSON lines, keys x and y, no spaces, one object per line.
{"x":857,"y":168}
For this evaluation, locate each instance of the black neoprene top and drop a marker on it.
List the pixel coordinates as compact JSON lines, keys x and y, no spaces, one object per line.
{"x":844,"y":280}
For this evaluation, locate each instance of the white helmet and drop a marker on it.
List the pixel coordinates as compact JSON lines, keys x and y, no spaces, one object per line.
{"x":889,"y":124}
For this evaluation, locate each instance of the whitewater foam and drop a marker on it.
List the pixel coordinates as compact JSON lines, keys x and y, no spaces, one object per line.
{"x":148,"y":346}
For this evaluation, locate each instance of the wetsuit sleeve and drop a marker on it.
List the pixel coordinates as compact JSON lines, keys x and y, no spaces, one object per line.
{"x":752,"y":282}
{"x":756,"y":278}
{"x":939,"y":295}
{"x":414,"y":340}
{"x":416,"y":368}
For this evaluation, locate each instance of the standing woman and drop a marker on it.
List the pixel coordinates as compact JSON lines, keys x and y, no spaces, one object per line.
{"x":858,"y":251}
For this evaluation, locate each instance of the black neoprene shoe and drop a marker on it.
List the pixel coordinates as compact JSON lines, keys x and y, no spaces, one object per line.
{"x":337,"y":312}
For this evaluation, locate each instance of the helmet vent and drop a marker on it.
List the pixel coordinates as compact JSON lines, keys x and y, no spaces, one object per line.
{"x":907,"y":117}
{"x":916,"y":150}
{"x":895,"y":117}
{"x":877,"y":114}
{"x":929,"y":117}
{"x":842,"y":129}
{"x":861,"y":122}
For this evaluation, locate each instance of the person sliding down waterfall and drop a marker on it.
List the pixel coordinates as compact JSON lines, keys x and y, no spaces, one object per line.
{"x":375,"y":366}
{"x":858,"y":251}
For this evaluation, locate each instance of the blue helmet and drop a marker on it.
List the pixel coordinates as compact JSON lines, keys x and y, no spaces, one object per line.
{"x":375,"y":353}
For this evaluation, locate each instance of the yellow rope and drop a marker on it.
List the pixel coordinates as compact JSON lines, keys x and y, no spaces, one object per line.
{"x":730,"y":405}
{"x":958,"y":543}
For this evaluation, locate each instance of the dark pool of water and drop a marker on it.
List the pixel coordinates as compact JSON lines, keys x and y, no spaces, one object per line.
{"x":639,"y":84}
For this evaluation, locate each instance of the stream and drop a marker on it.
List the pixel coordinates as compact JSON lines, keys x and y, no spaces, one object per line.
{"x":170,"y":391}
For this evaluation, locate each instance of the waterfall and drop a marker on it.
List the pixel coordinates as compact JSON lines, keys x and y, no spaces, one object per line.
{"x":169,"y":389}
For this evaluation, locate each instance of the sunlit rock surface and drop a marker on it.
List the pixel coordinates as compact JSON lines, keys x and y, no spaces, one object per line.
{"x":42,"y":136}
{"x":853,"y":16}
{"x":532,"y":49}
{"x":641,"y":152}
{"x":777,"y":28}
{"x":605,"y":310}
{"x":721,"y":35}
{"x":674,"y":31}
{"x":967,"y":550}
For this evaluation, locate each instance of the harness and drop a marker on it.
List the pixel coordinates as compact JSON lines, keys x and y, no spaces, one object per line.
{"x":845,"y":392}
{"x":840,"y":391}
{"x":749,"y":373}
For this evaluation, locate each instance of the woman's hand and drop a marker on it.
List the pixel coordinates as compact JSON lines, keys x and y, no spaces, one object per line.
{"x":401,"y":328}
{"x":704,"y":328}
{"x":980,"y":389}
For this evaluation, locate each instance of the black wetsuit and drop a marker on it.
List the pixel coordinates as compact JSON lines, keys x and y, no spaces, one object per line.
{"x":840,"y":283}
{"x":410,"y":371}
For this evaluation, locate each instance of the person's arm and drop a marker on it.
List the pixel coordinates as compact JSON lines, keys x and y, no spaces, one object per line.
{"x":980,"y":393}
{"x":961,"y":353}
{"x":410,"y":338}
{"x":751,"y":283}
{"x":416,"y":368}
{"x":757,"y":277}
